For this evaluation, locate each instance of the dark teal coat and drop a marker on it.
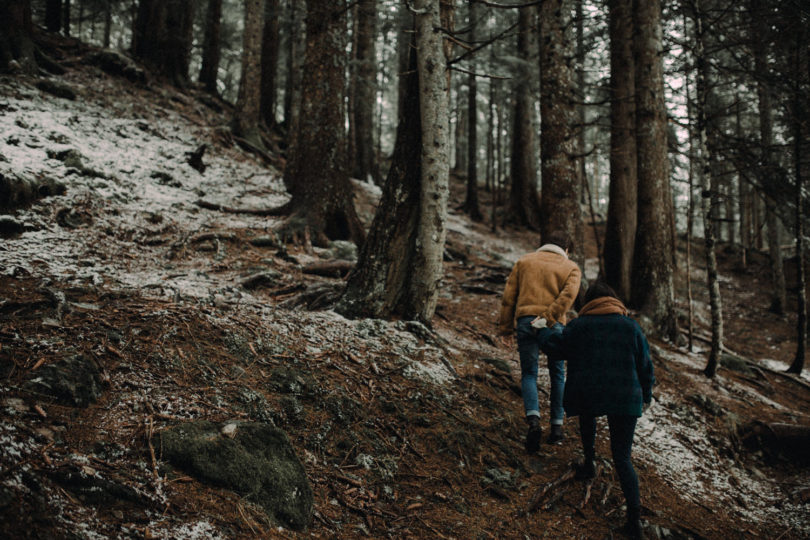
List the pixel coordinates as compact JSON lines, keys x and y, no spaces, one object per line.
{"x":609,"y":367}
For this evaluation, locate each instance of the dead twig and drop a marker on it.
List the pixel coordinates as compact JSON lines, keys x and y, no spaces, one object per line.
{"x":541,"y":493}
{"x":589,"y":486}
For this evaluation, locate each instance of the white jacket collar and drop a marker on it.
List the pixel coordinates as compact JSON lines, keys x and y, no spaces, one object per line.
{"x":554,"y":249}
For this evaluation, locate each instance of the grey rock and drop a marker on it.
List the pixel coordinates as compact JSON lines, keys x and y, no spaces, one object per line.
{"x":74,"y":381}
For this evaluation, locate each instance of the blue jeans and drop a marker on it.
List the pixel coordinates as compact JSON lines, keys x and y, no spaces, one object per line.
{"x":530,"y":341}
{"x":622,"y":428}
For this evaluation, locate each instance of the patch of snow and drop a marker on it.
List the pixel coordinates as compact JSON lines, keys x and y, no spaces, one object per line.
{"x":778,"y":365}
{"x":671,"y":439}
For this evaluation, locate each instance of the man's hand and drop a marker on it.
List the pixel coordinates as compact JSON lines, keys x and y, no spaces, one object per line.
{"x":507,"y":340}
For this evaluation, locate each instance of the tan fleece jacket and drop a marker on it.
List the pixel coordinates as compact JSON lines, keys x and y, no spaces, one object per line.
{"x":543,"y":283}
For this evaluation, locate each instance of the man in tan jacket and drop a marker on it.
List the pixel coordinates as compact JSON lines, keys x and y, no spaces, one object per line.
{"x":539,"y":292}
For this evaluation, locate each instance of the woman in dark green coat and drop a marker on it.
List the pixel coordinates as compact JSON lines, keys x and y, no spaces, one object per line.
{"x":609,"y":374}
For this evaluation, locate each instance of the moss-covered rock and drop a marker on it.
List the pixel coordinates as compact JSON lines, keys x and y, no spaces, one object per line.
{"x":257,"y":461}
{"x":74,"y":381}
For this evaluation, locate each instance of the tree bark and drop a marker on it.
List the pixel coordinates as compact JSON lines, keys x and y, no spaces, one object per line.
{"x":433,"y":95}
{"x":269,"y":62}
{"x":246,"y":116}
{"x":460,"y":166}
{"x":653,"y":289}
{"x":379,"y":285}
{"x":559,"y":203}
{"x":759,"y":28}
{"x":620,"y":231}
{"x":53,"y":15}
{"x":800,"y":120}
{"x":710,"y":196}
{"x":15,"y":35}
{"x":296,"y":33}
{"x":162,"y":36}
{"x":400,"y":263}
{"x":471,"y":206}
{"x":316,"y":174}
{"x":107,"y":23}
{"x":365,"y":91}
{"x":66,"y":19}
{"x":211,"y":46}
{"x":524,"y":203}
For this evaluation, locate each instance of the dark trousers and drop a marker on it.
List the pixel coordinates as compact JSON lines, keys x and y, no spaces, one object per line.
{"x":622,"y":429}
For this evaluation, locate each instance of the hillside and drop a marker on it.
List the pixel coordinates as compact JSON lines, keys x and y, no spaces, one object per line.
{"x":185,"y":311}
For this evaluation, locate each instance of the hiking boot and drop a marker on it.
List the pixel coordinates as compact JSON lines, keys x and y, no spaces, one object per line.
{"x":632,"y":527}
{"x":533,"y":435}
{"x":556,"y":435}
{"x":585,"y":470}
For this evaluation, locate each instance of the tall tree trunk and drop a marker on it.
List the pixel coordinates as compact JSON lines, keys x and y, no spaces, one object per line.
{"x":379,"y":285}
{"x":269,"y":62}
{"x":211,"y":46}
{"x":433,"y":106}
{"x":403,"y":54}
{"x":460,"y":167}
{"x":524,"y":204}
{"x":351,"y":91}
{"x":400,"y":263}
{"x":690,"y":209}
{"x":365,"y":61}
{"x":800,"y":120}
{"x":296,"y":33}
{"x":53,"y":15}
{"x":246,"y":116}
{"x":580,"y":28}
{"x":710,"y":198}
{"x":107,"y":23}
{"x":559,"y":203}
{"x":15,"y":35}
{"x":620,"y":232}
{"x":66,"y":19}
{"x":759,"y":28}
{"x":316,"y":175}
{"x":653,"y":290}
{"x":471,"y":206}
{"x":162,"y":36}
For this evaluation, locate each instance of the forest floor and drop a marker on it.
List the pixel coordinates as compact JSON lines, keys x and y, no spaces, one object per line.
{"x":193,"y":313}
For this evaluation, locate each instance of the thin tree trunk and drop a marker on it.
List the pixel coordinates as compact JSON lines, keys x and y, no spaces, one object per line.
{"x":764,"y":95}
{"x":460,"y":167}
{"x":269,"y":63}
{"x":53,"y":15}
{"x":559,"y":203}
{"x":66,"y":19}
{"x":620,"y":231}
{"x":471,"y":206}
{"x":799,"y":120}
{"x":211,"y":46}
{"x":296,"y":33}
{"x":690,"y":215}
{"x":524,"y":204}
{"x":365,"y":91}
{"x":652,"y":258}
{"x":580,"y":22}
{"x":709,"y":199}
{"x":246,"y":115}
{"x":107,"y":22}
